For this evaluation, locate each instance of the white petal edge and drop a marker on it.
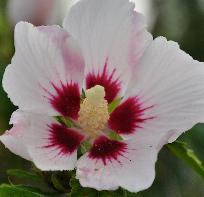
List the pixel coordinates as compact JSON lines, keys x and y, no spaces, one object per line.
{"x":30,"y":136}
{"x":37,"y":138}
{"x":108,"y":31}
{"x":40,"y":59}
{"x":172,"y":83}
{"x":135,"y":172}
{"x":13,"y":138}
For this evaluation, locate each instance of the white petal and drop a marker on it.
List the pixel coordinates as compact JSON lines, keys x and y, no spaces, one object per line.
{"x":170,"y":83}
{"x":134,"y":170}
{"x":43,"y":140}
{"x":70,"y":51}
{"x":13,"y":139}
{"x":43,"y":57}
{"x":108,"y":31}
{"x":51,"y":149}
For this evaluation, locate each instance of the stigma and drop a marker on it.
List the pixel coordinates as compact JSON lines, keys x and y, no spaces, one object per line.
{"x":93,"y":114}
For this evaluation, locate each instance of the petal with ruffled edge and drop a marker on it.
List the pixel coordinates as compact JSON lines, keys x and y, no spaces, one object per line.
{"x":170,"y":83}
{"x":46,"y":71}
{"x":112,"y":37}
{"x":49,"y":144}
{"x":111,"y":164}
{"x":13,"y":138}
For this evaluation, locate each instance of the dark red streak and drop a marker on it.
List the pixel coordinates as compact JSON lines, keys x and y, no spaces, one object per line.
{"x":111,"y":85}
{"x":67,"y":99}
{"x":127,"y":117}
{"x":64,"y":139}
{"x":107,"y":150}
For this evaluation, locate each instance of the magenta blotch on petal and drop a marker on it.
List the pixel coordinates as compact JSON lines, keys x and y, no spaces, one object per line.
{"x":128,"y":116}
{"x":65,"y":139}
{"x":107,"y":150}
{"x":105,"y":79}
{"x":67,"y":99}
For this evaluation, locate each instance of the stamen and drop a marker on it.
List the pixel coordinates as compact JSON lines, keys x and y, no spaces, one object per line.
{"x":93,"y":114}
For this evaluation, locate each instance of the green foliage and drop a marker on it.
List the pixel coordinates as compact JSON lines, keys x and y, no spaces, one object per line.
{"x":6,"y":52}
{"x":6,"y":37}
{"x":114,"y":104}
{"x":17,"y":191}
{"x":34,"y":181}
{"x":85,"y":146}
{"x":77,"y":190}
{"x":22,"y":174}
{"x":60,"y":182}
{"x":65,"y":121}
{"x":182,"y":151}
{"x":114,"y":136}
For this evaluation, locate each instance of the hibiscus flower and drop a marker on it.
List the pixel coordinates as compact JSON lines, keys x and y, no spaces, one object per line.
{"x":100,"y":80}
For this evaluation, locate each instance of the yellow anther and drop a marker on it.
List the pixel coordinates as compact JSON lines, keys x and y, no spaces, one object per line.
{"x":93,"y":114}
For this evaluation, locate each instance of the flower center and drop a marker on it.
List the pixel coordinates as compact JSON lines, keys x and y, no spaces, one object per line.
{"x":93,"y":114}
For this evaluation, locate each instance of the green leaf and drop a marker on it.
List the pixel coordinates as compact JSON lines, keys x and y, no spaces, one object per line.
{"x":22,"y":174}
{"x":37,"y":190}
{"x":79,"y":191}
{"x":114,"y":104}
{"x":29,"y":181}
{"x":17,"y":191}
{"x":85,"y":146}
{"x":114,"y":136}
{"x":182,"y":151}
{"x":58,"y":183}
{"x":65,"y":121}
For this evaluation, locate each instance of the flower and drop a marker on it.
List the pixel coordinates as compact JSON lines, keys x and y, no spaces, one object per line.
{"x":102,"y":80}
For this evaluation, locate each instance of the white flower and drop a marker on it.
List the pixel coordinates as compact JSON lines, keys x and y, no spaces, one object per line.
{"x":104,"y":49}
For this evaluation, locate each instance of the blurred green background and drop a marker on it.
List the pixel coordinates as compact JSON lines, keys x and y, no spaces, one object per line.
{"x":178,"y":20}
